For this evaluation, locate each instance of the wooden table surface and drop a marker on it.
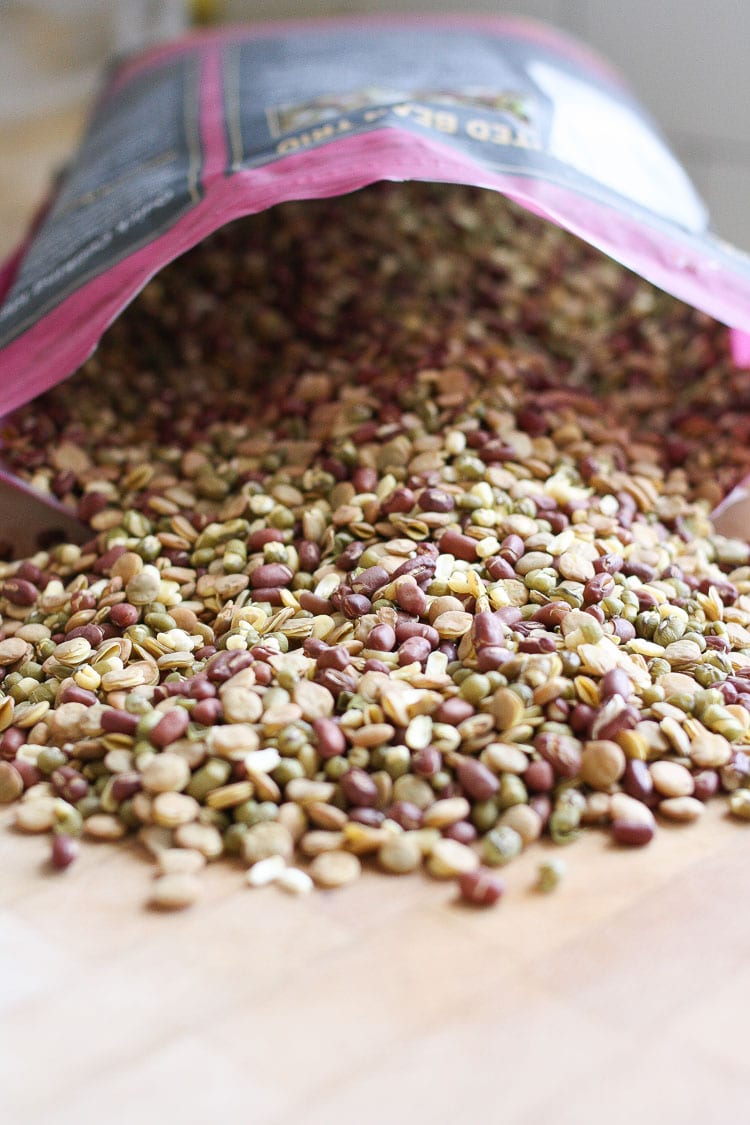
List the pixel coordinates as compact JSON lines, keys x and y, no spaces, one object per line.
{"x":620,"y":998}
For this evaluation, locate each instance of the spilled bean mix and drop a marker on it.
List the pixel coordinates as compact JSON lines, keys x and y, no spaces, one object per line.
{"x":400,"y":555}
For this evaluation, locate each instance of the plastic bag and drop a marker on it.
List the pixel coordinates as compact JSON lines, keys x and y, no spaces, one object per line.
{"x":194,"y":134}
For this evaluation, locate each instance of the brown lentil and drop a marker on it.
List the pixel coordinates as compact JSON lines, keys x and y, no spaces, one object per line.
{"x":397,"y":604}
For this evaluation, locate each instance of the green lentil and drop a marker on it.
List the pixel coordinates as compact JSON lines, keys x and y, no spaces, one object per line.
{"x":501,"y":845}
{"x":564,"y":824}
{"x":739,"y":803}
{"x":550,"y":874}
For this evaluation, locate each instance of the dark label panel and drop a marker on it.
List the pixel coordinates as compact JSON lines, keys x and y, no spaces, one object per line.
{"x":510,"y":104}
{"x":137,"y":172}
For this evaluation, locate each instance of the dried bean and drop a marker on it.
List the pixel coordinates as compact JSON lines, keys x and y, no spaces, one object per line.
{"x":64,"y":851}
{"x":400,"y":574}
{"x":11,"y":783}
{"x":632,"y":832}
{"x":174,"y":892}
{"x":335,"y":869}
{"x":550,"y":874}
{"x":481,"y":887}
{"x":400,"y":854}
{"x":683,"y":809}
{"x":449,"y":859}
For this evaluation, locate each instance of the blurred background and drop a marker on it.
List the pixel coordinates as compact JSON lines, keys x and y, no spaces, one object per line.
{"x":686,"y":60}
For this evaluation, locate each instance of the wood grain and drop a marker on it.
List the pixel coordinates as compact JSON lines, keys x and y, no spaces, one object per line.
{"x":620,"y":998}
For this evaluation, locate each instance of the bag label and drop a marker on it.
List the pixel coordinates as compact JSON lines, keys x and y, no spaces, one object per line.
{"x":510,"y":104}
{"x":137,"y":171}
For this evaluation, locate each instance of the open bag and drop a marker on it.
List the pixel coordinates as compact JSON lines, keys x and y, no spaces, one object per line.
{"x":194,"y":134}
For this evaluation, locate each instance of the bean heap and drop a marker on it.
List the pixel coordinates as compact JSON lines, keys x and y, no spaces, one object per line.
{"x":400,"y":551}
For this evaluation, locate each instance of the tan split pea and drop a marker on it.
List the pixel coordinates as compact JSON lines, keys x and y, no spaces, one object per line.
{"x":266,"y":839}
{"x":453,"y":624}
{"x":141,"y":806}
{"x":363,"y":839}
{"x":414,"y":790}
{"x":400,"y":854}
{"x":171,"y":809}
{"x":318,"y":841}
{"x":156,"y":840}
{"x":418,"y":734}
{"x":36,"y":816}
{"x":671,"y":779}
{"x":233,"y":741}
{"x":314,"y":701}
{"x":506,"y":709}
{"x":303,"y":790}
{"x":681,"y":809}
{"x":241,"y":706}
{"x":448,"y":859}
{"x":675,"y":735}
{"x":258,"y":763}
{"x":229,"y":796}
{"x":166,"y":773}
{"x":11,"y":783}
{"x":502,"y":757}
{"x":324,"y":815}
{"x":13,"y":649}
{"x":708,"y":750}
{"x":202,"y":837}
{"x":598,"y":808}
{"x":180,"y":861}
{"x":294,"y":818}
{"x":449,"y":811}
{"x":525,"y":820}
{"x":174,"y":891}
{"x":103,"y":826}
{"x":373,"y":734}
{"x":575,"y":567}
{"x":602,"y":763}
{"x":335,"y":869}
